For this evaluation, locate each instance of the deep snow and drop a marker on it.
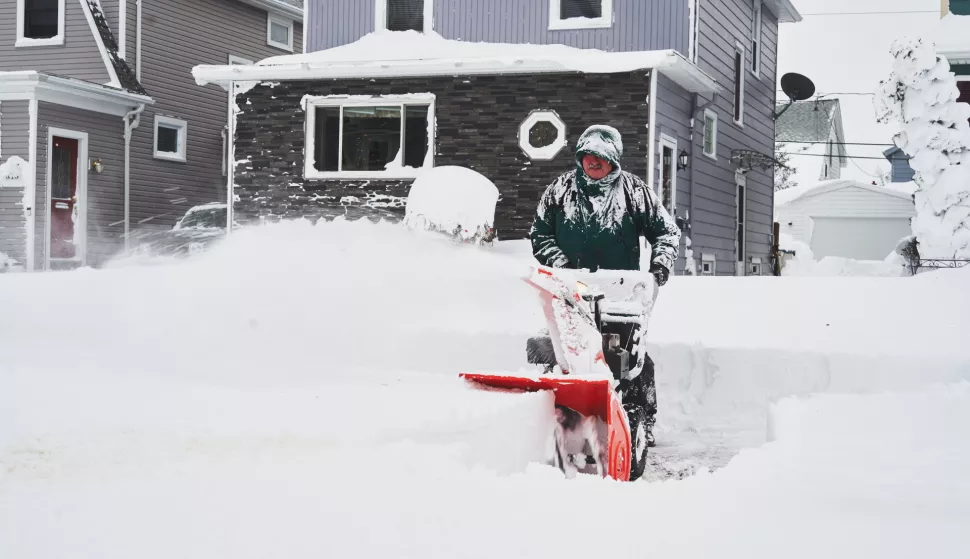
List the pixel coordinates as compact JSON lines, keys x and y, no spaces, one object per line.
{"x":294,"y":393}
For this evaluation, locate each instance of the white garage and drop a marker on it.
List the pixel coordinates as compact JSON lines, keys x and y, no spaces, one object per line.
{"x":845,"y":218}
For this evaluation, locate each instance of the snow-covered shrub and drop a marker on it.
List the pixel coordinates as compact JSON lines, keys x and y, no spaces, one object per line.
{"x":8,"y":264}
{"x":921,"y":94}
{"x":453,"y":200}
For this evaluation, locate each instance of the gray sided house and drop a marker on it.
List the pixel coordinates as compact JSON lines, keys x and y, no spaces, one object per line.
{"x":103,"y":132}
{"x":389,"y":88}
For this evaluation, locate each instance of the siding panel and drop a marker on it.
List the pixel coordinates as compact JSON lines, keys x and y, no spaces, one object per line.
{"x":14,"y":140}
{"x":78,"y":57}
{"x":338,"y":22}
{"x":161,"y":191}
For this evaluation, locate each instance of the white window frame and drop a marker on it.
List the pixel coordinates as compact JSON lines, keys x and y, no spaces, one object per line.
{"x":710,"y":261}
{"x":311,"y":103}
{"x":280,"y":20}
{"x":757,"y":32}
{"x":183,"y":128}
{"x":671,"y":143}
{"x":556,"y":23}
{"x":380,"y":15}
{"x":694,"y":30}
{"x":709,"y":113}
{"x":27,"y":41}
{"x":739,"y":74}
{"x":549,"y":152}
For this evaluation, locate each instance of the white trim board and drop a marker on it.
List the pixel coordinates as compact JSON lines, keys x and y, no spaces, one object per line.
{"x":81,"y":226}
{"x":182,"y":128}
{"x":290,"y":25}
{"x":26,"y":42}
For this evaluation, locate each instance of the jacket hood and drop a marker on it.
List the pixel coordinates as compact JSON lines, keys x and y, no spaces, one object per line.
{"x":604,"y":142}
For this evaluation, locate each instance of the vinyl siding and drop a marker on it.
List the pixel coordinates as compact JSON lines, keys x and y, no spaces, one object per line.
{"x":637,"y":24}
{"x":161,"y":191}
{"x":795,"y":218}
{"x":901,"y":169}
{"x":105,"y":194}
{"x":673,"y":119}
{"x":14,"y":140}
{"x":714,"y":229}
{"x":78,"y":57}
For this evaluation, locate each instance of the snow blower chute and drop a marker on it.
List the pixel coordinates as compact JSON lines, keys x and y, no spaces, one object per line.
{"x":595,"y":343}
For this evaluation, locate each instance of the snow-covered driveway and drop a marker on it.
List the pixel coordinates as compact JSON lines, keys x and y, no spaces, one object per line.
{"x":294,"y":394}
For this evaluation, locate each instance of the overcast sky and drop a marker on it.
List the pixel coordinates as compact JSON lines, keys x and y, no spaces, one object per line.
{"x":850,"y":54}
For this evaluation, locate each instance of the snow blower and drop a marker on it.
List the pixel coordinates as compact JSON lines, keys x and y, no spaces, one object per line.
{"x":595,"y":344}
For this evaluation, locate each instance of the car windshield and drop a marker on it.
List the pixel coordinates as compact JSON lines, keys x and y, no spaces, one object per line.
{"x":207,"y":218}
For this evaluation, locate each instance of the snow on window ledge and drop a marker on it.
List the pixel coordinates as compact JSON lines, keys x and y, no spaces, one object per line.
{"x":558,"y":24}
{"x":51,"y":42}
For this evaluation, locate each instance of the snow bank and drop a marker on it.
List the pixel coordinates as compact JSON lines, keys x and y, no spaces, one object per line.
{"x":455,"y":200}
{"x":803,"y":263}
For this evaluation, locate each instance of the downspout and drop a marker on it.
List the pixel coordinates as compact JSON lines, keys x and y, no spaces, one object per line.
{"x":132,"y":120}
{"x":230,"y":156}
{"x":138,"y":19}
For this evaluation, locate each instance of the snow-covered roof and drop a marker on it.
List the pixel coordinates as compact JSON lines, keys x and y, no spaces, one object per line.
{"x":290,"y":8}
{"x":409,"y":53}
{"x":952,"y":38}
{"x":790,"y":195}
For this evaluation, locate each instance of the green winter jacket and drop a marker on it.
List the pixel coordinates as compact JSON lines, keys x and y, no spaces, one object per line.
{"x":587,"y":224}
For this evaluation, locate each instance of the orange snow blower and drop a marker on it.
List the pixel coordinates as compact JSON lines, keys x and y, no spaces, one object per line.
{"x":596,"y":324}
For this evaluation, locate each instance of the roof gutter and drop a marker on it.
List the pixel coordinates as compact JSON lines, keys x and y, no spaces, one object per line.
{"x":784,"y":10}
{"x":277,"y":7}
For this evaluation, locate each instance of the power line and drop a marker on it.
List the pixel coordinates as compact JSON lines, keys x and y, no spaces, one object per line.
{"x":872,"y":13}
{"x":835,"y":143}
{"x":837,"y":156}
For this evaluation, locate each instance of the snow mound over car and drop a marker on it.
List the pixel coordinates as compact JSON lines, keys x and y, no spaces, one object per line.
{"x":453,"y":200}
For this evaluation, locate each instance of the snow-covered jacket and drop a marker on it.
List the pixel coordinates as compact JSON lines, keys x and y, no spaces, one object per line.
{"x":582,"y":223}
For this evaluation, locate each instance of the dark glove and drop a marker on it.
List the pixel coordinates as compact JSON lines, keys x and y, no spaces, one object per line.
{"x":561,"y":262}
{"x":662,"y":274}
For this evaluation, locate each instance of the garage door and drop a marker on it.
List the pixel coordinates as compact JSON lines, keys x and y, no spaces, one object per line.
{"x":857,"y":238}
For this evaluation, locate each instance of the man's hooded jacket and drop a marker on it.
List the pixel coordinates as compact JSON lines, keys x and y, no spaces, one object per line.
{"x":597,"y":224}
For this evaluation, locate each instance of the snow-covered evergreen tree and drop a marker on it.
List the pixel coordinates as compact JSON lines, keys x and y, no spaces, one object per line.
{"x":921,"y":95}
{"x":784,"y":173}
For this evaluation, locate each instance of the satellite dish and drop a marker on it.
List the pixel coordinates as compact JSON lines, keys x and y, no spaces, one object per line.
{"x":797,"y":87}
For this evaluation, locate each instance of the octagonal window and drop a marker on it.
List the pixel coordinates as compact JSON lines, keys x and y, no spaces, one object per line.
{"x":542,"y":135}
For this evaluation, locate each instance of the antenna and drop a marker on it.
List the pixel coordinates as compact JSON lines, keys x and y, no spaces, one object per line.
{"x":797,"y":87}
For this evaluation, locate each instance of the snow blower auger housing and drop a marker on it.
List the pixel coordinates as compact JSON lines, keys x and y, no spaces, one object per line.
{"x":595,"y":342}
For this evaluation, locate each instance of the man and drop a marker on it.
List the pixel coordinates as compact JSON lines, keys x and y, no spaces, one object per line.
{"x":592,"y":218}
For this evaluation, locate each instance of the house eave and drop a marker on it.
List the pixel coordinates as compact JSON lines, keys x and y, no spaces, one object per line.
{"x":70,"y":92}
{"x":277,"y":7}
{"x":784,"y":10}
{"x":956,"y":56}
{"x":669,"y":63}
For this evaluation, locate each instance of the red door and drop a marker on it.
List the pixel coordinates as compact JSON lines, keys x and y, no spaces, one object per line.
{"x":63,"y":197}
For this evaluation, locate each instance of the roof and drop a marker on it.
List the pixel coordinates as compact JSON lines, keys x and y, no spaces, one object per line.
{"x":790,"y":195}
{"x":84,"y":94}
{"x":952,"y":38}
{"x":784,"y":10}
{"x":412,"y":54}
{"x":893,"y":153}
{"x":809,"y":121}
{"x":125,"y":76}
{"x":289,"y":8}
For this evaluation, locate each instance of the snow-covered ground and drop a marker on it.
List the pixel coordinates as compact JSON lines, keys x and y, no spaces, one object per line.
{"x":293,"y":393}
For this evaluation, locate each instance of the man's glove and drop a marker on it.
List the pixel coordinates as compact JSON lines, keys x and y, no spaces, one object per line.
{"x":662,"y":274}
{"x":561,"y":262}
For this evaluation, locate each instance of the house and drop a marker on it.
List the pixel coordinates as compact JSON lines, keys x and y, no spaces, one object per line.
{"x":391,"y":87}
{"x":900,"y":169}
{"x":847,"y":218}
{"x":811,"y":133}
{"x":103,"y":132}
{"x":952,"y":39}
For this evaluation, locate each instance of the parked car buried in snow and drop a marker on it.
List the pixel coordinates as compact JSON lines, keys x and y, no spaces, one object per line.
{"x":199,"y":228}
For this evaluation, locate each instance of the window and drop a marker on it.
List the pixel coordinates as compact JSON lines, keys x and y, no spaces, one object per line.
{"x":580,"y":14}
{"x":693,"y":32}
{"x":739,"y":84}
{"x":710,"y":133}
{"x":741,"y":243}
{"x":379,"y":137}
{"x":279,"y":32}
{"x":542,"y":135}
{"x":405,"y":15}
{"x":668,"y":173}
{"x":756,"y":29}
{"x":40,"y":23}
{"x":708,"y":264}
{"x":170,"y":136}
